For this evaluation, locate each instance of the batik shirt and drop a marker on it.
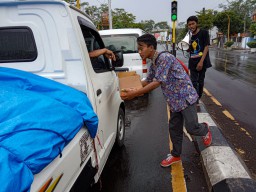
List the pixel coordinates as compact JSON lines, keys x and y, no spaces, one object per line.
{"x":176,"y":85}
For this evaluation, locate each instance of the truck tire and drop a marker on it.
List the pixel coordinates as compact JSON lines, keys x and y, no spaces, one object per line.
{"x":120,"y":128}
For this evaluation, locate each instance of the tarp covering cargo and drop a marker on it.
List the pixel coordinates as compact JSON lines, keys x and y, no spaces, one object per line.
{"x":38,"y":118}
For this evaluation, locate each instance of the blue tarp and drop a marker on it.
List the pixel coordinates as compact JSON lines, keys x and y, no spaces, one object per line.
{"x":38,"y":117}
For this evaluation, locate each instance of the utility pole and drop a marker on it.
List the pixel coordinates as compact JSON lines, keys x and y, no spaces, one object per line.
{"x":228,"y":24}
{"x":174,"y":19}
{"x":109,"y":14}
{"x":78,"y":4}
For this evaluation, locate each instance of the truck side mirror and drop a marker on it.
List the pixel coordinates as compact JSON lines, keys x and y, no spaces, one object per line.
{"x":119,"y":59}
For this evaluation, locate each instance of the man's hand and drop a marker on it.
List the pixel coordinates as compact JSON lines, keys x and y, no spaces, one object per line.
{"x":110,"y":55}
{"x":128,"y":94}
{"x":133,"y":92}
{"x":199,"y":66}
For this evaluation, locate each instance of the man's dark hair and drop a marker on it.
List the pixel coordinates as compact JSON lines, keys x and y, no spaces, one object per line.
{"x":192,"y":18}
{"x":148,"y":39}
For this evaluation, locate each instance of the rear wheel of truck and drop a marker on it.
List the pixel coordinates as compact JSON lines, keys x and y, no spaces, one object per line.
{"x":120,"y":128}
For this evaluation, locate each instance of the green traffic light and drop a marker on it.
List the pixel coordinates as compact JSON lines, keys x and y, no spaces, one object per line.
{"x":174,"y":17}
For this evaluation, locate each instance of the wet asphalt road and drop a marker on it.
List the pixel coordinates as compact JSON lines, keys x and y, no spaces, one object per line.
{"x":232,"y":81}
{"x":135,"y":167}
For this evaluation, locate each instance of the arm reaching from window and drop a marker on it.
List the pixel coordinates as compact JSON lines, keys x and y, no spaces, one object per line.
{"x":109,"y":54}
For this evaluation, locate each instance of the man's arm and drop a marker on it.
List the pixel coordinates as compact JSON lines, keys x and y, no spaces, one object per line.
{"x":144,"y":83}
{"x":109,"y":54}
{"x":205,"y":51}
{"x":96,"y":53}
{"x":135,"y":93}
{"x":200,"y":65}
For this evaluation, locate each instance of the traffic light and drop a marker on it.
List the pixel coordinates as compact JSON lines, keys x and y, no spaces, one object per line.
{"x":174,"y":10}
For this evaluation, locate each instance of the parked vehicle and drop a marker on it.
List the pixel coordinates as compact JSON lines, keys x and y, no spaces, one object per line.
{"x":126,"y":40}
{"x":51,"y":39}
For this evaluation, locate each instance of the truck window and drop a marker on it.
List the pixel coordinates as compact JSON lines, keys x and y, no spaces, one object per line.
{"x":17,"y":44}
{"x":93,"y":41}
{"x":125,"y":42}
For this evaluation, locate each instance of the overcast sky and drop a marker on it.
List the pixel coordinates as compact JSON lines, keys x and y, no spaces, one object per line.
{"x":159,"y":10}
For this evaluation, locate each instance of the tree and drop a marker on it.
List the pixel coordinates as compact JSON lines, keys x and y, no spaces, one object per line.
{"x":181,"y":33}
{"x":162,"y":25}
{"x":205,"y":19}
{"x":243,"y":9}
{"x":95,"y":12}
{"x":221,"y":22}
{"x":148,"y":25}
{"x":253,"y":29}
{"x":73,"y":2}
{"x":122,"y":19}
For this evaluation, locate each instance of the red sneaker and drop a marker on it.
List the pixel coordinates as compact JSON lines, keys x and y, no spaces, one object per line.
{"x":170,"y":160}
{"x":207,"y":139}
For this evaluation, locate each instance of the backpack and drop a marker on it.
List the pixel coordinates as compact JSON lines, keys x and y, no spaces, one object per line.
{"x":182,"y":64}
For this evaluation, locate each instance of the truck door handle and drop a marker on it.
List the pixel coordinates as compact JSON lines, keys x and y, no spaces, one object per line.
{"x":98,"y":92}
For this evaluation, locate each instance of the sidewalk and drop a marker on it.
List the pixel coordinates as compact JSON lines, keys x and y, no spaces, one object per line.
{"x":224,"y":170}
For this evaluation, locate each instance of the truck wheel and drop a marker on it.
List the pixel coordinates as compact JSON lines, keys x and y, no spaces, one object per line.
{"x":120,"y":128}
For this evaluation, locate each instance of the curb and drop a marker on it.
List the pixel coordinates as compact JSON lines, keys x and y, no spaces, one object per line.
{"x":223,"y":168}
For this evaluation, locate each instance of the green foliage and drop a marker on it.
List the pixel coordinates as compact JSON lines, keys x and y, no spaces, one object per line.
{"x":73,"y":2}
{"x":243,"y":10}
{"x":221,"y":22}
{"x":205,"y":19}
{"x":122,"y":19}
{"x":253,"y":29}
{"x":229,"y":43}
{"x":161,"y":25}
{"x":181,"y":33}
{"x":147,"y":25}
{"x":95,"y":12}
{"x":251,"y":44}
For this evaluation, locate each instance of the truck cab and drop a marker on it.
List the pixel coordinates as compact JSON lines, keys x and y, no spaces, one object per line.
{"x":52,"y":39}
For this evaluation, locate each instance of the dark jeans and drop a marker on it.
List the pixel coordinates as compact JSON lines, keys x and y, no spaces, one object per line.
{"x":189,"y":115}
{"x":197,"y":78}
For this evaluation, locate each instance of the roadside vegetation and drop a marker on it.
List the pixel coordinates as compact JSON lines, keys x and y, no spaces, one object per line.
{"x":238,"y":12}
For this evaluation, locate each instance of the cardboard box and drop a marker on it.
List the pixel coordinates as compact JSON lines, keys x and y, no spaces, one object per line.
{"x":128,"y":80}
{"x":126,"y":74}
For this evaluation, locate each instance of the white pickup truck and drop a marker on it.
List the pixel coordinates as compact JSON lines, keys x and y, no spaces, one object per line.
{"x":51,"y":38}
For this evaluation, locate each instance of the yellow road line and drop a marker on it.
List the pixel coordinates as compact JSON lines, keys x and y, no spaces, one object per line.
{"x":207,"y":92}
{"x":225,"y":112}
{"x":178,"y":180}
{"x":212,"y":98}
{"x":177,"y":170}
{"x":228,"y":115}
{"x":216,"y":101}
{"x":246,"y":132}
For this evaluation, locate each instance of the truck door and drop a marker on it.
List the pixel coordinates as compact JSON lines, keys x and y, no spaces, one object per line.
{"x":105,"y":86}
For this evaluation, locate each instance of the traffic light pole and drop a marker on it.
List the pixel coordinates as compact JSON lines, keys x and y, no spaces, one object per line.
{"x":174,"y":19}
{"x":78,"y":4}
{"x":173,"y":38}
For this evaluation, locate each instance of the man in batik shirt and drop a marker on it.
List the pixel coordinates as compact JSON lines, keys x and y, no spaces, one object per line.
{"x":177,"y":88}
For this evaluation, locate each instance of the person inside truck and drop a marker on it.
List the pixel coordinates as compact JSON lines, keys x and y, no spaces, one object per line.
{"x":96,"y":53}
